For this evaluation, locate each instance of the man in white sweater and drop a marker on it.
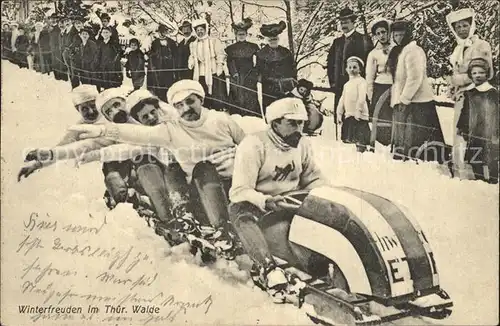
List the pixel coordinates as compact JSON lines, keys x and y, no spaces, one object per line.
{"x":267,"y":165}
{"x":203,"y":142}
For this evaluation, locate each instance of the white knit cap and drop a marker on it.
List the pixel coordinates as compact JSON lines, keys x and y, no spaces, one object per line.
{"x":107,"y":95}
{"x":135,"y":97}
{"x":83,"y":93}
{"x":182,"y":89}
{"x":288,"y":108}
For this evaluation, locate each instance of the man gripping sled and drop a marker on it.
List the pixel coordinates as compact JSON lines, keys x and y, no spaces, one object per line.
{"x":202,"y":141}
{"x":267,"y":165}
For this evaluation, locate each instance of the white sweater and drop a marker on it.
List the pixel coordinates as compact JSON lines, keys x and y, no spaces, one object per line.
{"x":262,"y":170}
{"x":410,"y":81}
{"x":376,"y":70}
{"x":189,"y":141}
{"x":353,"y":99}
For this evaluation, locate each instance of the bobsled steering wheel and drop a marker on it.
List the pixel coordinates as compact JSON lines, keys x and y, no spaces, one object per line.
{"x":292,"y":201}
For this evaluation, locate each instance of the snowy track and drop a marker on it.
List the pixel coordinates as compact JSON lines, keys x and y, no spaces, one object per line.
{"x":460,"y":219}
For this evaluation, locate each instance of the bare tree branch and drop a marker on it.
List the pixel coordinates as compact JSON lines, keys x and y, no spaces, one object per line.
{"x":231,"y":13}
{"x":288,"y":12}
{"x":139,"y":4}
{"x":308,"y":54}
{"x":420,"y":9}
{"x":242,"y":11}
{"x":304,"y":32}
{"x":261,"y":5}
{"x":310,"y":64}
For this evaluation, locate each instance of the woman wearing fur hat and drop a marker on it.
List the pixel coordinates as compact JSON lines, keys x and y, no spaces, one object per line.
{"x":479,"y":120}
{"x":40,"y":46}
{"x":463,"y":26}
{"x":415,"y":117}
{"x":378,"y":79}
{"x":275,"y":65}
{"x":207,"y":60}
{"x":161,"y":63}
{"x":240,"y":62}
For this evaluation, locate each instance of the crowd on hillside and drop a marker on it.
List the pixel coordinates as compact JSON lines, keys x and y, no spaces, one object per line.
{"x":245,"y":78}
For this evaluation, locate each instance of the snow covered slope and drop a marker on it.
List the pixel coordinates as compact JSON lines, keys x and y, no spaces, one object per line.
{"x":113,"y":257}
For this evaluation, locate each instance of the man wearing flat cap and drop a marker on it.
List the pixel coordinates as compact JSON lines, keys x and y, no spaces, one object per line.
{"x":350,"y":44}
{"x":268,"y":164}
{"x":183,"y":52}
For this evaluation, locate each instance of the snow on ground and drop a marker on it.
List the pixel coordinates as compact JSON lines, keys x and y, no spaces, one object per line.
{"x":51,"y":264}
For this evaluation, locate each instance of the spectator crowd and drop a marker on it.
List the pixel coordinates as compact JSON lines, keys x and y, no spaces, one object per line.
{"x":380,"y":79}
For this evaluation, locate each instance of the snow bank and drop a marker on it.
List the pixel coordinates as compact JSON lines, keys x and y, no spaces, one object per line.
{"x":460,"y":219}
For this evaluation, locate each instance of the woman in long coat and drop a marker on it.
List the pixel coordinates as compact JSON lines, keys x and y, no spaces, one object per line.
{"x":463,"y":26}
{"x":241,"y":58}
{"x":415,"y":120}
{"x":40,"y":47}
{"x":275,"y":65}
{"x":161,"y":64}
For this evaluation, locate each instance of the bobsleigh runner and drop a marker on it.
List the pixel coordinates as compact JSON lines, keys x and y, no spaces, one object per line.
{"x":361,"y":259}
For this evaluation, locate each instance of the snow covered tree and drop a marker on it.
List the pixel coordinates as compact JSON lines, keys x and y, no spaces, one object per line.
{"x":73,"y":8}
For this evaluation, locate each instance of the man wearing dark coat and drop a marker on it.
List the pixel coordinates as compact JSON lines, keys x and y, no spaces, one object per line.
{"x":40,"y":47}
{"x":105,"y":19}
{"x":241,"y":58}
{"x":109,"y":66}
{"x":21,"y":46}
{"x":351,"y":43}
{"x":161,"y":63}
{"x":276,"y":67}
{"x":70,"y":44}
{"x":87,"y":59}
{"x":183,"y":52}
{"x":6,"y":37}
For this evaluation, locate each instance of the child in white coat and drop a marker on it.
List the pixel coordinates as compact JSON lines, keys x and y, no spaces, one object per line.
{"x":352,"y":109}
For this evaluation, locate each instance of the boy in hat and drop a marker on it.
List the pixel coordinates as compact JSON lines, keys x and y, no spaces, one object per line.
{"x":203,"y":142}
{"x":241,"y":58}
{"x":135,"y":64}
{"x":161,"y":63}
{"x":109,"y":67}
{"x":275,"y":66}
{"x":350,"y":44}
{"x":183,"y":52}
{"x":314,"y":117}
{"x":479,"y":122}
{"x":105,"y":20}
{"x":86,"y":58}
{"x":268,"y":164}
{"x":21,"y":48}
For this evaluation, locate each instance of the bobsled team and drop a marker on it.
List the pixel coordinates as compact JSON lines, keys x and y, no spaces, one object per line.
{"x":185,"y":164}
{"x":193,"y":170}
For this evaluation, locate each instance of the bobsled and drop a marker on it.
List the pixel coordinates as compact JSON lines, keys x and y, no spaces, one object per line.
{"x":363,"y":259}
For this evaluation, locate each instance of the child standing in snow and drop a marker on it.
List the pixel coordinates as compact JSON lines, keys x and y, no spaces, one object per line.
{"x":352,"y":109}
{"x":478,"y":123}
{"x":135,"y":64}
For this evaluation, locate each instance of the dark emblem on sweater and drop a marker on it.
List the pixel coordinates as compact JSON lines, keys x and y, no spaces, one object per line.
{"x":282,"y":173}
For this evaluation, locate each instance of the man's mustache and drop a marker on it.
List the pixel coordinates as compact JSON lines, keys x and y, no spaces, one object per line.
{"x":188,"y":112}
